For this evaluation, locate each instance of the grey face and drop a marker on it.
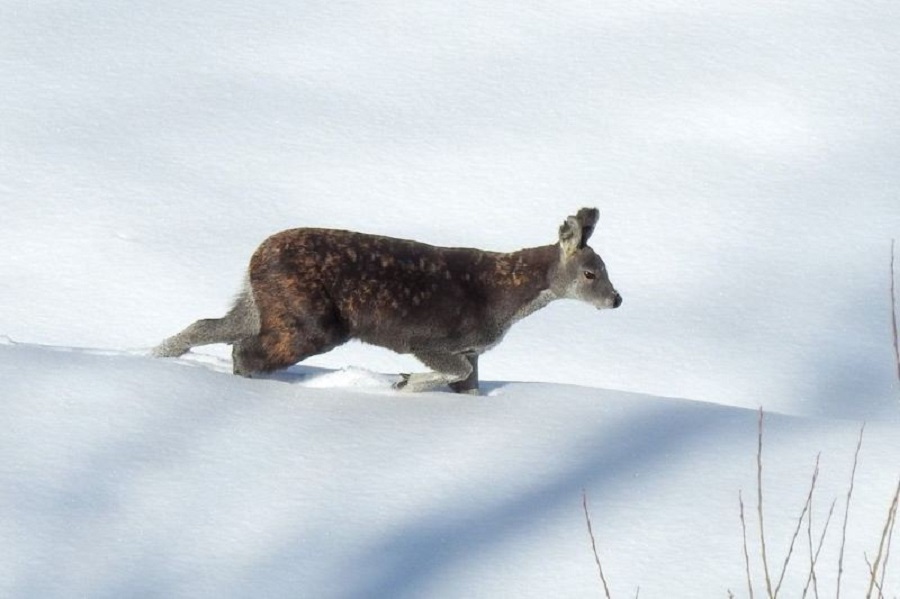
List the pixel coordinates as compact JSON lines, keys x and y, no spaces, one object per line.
{"x":582,"y":274}
{"x":587,"y":280}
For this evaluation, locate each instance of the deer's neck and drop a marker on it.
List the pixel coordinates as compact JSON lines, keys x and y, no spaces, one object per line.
{"x":520,"y":282}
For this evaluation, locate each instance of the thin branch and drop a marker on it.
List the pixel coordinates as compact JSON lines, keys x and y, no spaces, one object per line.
{"x":872,"y":577}
{"x":894,"y":315}
{"x":888,"y":525}
{"x":847,"y":511}
{"x":897,"y":360}
{"x":590,"y":528}
{"x":806,"y":508}
{"x":759,"y":506}
{"x":746,"y":554}
{"x":887,"y":553}
{"x":814,"y":557}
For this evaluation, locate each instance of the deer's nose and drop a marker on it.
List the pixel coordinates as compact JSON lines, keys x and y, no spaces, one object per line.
{"x":617,"y":300}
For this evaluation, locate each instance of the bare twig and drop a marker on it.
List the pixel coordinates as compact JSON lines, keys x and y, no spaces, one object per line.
{"x":746,"y":554}
{"x":814,"y":557}
{"x":759,"y":506}
{"x":897,"y":360}
{"x":803,"y":513}
{"x":887,"y":552}
{"x":872,"y":576}
{"x":587,"y":518}
{"x":894,"y":315}
{"x":885,"y":534}
{"x":847,"y":512}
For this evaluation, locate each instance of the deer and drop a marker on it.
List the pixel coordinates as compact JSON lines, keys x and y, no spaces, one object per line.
{"x":309,"y":290}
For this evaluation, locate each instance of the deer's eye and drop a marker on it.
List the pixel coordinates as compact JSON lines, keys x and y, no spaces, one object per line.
{"x":589,"y":275}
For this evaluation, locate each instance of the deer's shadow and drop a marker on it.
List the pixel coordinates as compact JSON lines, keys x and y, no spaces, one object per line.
{"x":349,"y":377}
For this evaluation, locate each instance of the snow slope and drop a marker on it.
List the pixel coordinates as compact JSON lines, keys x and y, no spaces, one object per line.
{"x":743,"y":157}
{"x":128,"y":476}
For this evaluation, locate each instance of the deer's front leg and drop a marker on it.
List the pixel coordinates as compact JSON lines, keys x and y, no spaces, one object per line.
{"x":448,"y":369}
{"x":470,"y":383}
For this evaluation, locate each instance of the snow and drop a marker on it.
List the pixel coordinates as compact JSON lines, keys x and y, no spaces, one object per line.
{"x":743,"y":160}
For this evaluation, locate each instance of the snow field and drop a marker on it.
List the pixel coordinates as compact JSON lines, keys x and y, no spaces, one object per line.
{"x":743,"y":160}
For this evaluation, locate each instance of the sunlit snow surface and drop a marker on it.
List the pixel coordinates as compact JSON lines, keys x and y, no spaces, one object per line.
{"x":129,"y":476}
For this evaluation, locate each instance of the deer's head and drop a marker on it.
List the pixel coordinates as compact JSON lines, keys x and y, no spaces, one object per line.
{"x":581,"y":273}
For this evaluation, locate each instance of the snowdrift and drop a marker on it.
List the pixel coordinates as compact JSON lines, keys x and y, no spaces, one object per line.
{"x":129,"y":476}
{"x":743,"y":159}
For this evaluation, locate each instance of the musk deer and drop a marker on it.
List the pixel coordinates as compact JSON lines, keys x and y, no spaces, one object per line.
{"x":309,"y":290}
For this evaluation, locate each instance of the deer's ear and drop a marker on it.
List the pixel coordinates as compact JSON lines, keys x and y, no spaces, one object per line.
{"x":587,"y":218}
{"x":576,"y":230}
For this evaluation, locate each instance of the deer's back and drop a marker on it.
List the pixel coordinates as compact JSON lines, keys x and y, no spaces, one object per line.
{"x":396,"y":293}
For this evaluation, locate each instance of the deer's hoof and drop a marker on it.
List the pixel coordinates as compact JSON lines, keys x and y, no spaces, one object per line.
{"x":404,"y":379}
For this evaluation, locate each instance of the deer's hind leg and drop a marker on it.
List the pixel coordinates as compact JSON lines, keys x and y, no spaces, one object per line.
{"x":265,"y":353}
{"x":240,"y":322}
{"x":284,"y":344}
{"x":457,"y":370}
